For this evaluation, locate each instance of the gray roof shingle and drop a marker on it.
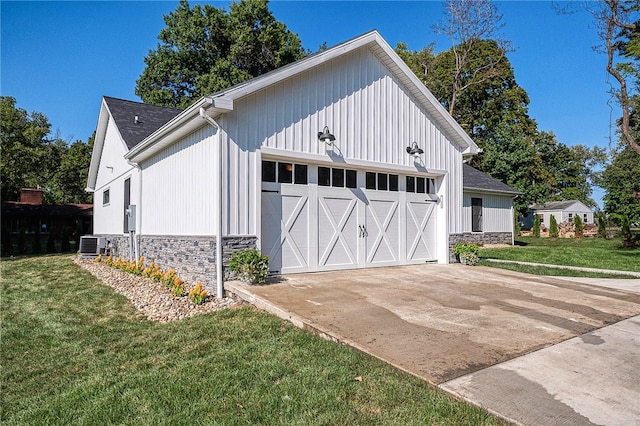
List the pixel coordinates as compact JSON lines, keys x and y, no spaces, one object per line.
{"x":554,"y":205}
{"x":150,"y":118}
{"x":475,"y":179}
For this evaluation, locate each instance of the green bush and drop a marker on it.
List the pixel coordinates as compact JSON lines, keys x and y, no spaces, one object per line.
{"x":250,"y":265}
{"x":578,"y":227}
{"x":536,"y":225}
{"x":467,"y":252}
{"x":553,"y":227}
{"x":602,"y":226}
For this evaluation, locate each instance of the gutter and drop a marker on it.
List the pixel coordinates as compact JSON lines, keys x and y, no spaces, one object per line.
{"x":218,"y":202}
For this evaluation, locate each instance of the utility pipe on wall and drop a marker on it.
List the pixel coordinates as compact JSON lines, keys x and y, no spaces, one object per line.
{"x":218,"y":201}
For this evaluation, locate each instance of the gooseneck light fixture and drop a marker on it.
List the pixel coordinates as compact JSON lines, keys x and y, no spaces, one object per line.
{"x":414,"y":150}
{"x":325,"y":136}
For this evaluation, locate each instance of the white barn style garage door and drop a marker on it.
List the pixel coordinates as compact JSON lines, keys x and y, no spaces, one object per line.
{"x":318,"y":218}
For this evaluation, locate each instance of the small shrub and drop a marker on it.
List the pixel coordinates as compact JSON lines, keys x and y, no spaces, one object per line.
{"x":467,"y":252}
{"x":602,"y":226}
{"x":109,"y":261}
{"x":99,"y":259}
{"x":198,"y":294}
{"x":578,"y":227}
{"x":553,"y":227}
{"x":250,"y":265}
{"x":536,"y":225}
{"x":178,"y":288}
{"x":169,"y":278}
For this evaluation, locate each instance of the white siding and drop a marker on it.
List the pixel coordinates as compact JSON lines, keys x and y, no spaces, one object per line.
{"x":496,"y":212}
{"x":178,"y":193}
{"x":373,"y":117}
{"x":112,"y":172}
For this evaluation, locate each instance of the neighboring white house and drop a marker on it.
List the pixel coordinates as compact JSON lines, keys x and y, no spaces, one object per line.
{"x":563,"y":211}
{"x":487,"y":208}
{"x":340,"y":160}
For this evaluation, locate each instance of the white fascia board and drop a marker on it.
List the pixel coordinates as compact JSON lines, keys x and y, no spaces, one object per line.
{"x":511,"y":194}
{"x":327,"y":160}
{"x":98,"y":146}
{"x":175,"y":129}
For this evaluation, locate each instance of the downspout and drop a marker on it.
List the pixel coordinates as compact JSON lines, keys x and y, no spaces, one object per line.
{"x":135,"y":236}
{"x":218,"y":201}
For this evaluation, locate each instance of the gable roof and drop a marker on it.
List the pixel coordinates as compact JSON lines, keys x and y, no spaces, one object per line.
{"x":558,"y":205}
{"x":476,"y":180}
{"x":223,"y":101}
{"x":149,"y":119}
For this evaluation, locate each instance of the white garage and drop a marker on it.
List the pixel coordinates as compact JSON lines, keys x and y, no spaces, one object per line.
{"x":318,"y":218}
{"x":340,"y":160}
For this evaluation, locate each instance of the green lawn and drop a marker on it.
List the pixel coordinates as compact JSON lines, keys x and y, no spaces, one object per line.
{"x":586,"y":252}
{"x":74,"y":352}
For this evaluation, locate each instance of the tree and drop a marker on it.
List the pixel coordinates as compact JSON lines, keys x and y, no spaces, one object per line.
{"x":620,"y":181}
{"x":578,"y":227}
{"x":24,"y":153}
{"x":602,"y":225}
{"x":536,"y":225}
{"x":619,"y":23}
{"x":553,"y":227}
{"x":467,"y":23}
{"x":205,"y":49}
{"x":31,"y":159}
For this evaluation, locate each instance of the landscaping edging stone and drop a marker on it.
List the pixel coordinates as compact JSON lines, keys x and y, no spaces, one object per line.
{"x":151,"y":299}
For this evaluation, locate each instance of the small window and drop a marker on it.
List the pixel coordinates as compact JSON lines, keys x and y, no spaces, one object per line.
{"x":411,"y":184}
{"x":337,"y":178}
{"x":421,"y":186}
{"x":541,"y":218}
{"x":285,"y":172}
{"x":585,"y":218}
{"x":352,"y":179}
{"x":370,"y":180}
{"x":300,"y":174}
{"x":324,"y":176}
{"x":382,"y":181}
{"x":268,"y":171}
{"x":105,"y":197}
{"x":393,"y":183}
{"x":570,"y":217}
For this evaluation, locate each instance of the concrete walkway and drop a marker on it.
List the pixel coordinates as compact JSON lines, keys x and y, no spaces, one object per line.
{"x":533,"y":350}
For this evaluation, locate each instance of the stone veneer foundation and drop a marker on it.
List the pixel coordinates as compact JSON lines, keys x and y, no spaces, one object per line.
{"x":192,"y":257}
{"x":480,"y":237}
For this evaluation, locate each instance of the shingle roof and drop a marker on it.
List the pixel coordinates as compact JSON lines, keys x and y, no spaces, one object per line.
{"x":150,"y":118}
{"x":475,"y":179}
{"x":554,"y":205}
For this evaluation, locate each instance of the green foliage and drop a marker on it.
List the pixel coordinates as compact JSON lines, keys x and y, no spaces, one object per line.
{"x":31,"y":159}
{"x":516,"y":223}
{"x":204,"y":49}
{"x":536,"y":225}
{"x":250,"y":265}
{"x":625,"y":229}
{"x":198,"y":294}
{"x":467,"y":252}
{"x":553,"y":227}
{"x":620,"y":180}
{"x":578,"y":226}
{"x":602,"y":225}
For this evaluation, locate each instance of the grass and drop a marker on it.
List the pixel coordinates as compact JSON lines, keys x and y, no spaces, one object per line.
{"x":586,"y":252}
{"x":74,"y":352}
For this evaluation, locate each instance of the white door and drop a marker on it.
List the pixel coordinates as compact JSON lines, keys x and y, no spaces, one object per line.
{"x":381,"y":224}
{"x":337,"y":228}
{"x":310,"y":227}
{"x":285,"y":227}
{"x":420,"y":229}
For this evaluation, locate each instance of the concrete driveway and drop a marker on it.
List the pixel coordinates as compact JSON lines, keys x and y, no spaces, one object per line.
{"x":449,"y":323}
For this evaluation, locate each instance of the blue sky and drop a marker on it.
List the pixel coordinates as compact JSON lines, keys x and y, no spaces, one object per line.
{"x":60,"y":58}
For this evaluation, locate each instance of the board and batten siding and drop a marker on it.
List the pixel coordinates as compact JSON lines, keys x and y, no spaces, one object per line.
{"x":179,"y":183}
{"x":497,"y":214}
{"x":373,"y":117}
{"x":113,"y":170}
